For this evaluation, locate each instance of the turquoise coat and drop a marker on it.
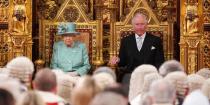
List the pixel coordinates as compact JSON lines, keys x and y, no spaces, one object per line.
{"x":70,"y":58}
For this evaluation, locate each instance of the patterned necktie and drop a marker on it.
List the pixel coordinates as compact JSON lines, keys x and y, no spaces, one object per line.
{"x":139,"y":43}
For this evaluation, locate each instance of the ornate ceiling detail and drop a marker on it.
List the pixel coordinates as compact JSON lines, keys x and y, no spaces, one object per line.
{"x":48,"y":9}
{"x":87,"y":7}
{"x":164,"y":9}
{"x":71,"y":14}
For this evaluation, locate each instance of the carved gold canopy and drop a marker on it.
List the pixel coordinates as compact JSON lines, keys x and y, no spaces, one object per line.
{"x":184,"y":31}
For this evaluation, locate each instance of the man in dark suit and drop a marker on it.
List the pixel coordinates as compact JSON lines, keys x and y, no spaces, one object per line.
{"x":139,"y":48}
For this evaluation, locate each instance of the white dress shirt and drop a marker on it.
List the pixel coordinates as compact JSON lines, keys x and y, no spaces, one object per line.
{"x":140,"y":40}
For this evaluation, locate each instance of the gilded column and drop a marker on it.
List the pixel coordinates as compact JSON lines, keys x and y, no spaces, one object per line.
{"x":170,"y":18}
{"x":99,"y":44}
{"x":113,"y":47}
{"x":191,"y":33}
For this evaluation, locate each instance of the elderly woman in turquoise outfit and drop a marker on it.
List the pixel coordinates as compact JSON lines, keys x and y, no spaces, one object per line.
{"x":69,"y":55}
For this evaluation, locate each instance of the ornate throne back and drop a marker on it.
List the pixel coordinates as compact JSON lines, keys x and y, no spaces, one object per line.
{"x":84,"y":37}
{"x":87,"y":35}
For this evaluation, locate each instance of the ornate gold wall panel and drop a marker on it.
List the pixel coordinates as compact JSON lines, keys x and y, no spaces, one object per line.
{"x":206,"y":11}
{"x":205,"y":53}
{"x":205,"y":62}
{"x":15,"y":29}
{"x":4,"y":47}
{"x":84,"y":25}
{"x":193,"y":42}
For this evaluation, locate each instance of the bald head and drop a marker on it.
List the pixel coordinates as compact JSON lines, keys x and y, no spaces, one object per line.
{"x":45,"y":80}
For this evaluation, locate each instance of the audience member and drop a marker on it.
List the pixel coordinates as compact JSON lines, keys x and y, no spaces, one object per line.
{"x":65,"y":84}
{"x":119,"y":89}
{"x":162,"y":92}
{"x":46,"y":84}
{"x":137,"y":79}
{"x":148,"y":79}
{"x":104,"y":79}
{"x":204,"y":72}
{"x":106,"y":70}
{"x":196,"y":98}
{"x":179,"y":79}
{"x":170,"y":66}
{"x":21,"y":68}
{"x":13,"y":86}
{"x":195,"y":82}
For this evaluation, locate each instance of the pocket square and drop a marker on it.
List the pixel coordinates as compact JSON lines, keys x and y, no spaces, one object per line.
{"x":152,"y":48}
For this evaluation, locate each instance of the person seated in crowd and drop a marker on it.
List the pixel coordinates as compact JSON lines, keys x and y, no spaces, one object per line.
{"x":137,"y":80}
{"x":45,"y":83}
{"x":162,"y":92}
{"x":204,"y":72}
{"x":147,"y":81}
{"x":12,"y":85}
{"x":21,"y":68}
{"x":196,"y":98}
{"x":104,"y":77}
{"x":105,"y":69}
{"x":179,"y":79}
{"x":195,"y":82}
{"x":170,"y":66}
{"x":70,"y":55}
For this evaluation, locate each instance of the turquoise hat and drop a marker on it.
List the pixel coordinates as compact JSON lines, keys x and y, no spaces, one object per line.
{"x":67,"y":29}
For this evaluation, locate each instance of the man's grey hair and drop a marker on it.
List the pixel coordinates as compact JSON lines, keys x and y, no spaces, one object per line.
{"x":139,"y":14}
{"x":162,"y":91}
{"x":170,"y":66}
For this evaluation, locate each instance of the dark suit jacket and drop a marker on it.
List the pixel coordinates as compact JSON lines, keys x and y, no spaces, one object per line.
{"x":150,"y":53}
